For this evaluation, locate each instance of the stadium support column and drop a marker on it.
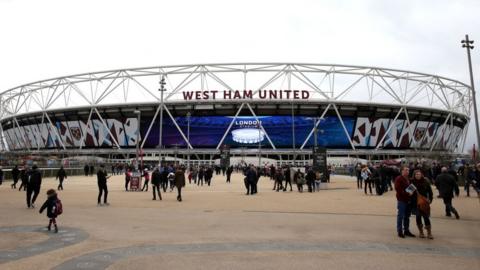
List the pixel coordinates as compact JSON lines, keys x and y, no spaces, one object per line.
{"x":259,"y":145}
{"x":137,"y":148}
{"x":188,"y":139}
{"x":466,"y":43}
{"x":162,"y":89}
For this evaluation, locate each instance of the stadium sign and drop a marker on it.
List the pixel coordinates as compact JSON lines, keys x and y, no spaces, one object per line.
{"x":246,"y":94}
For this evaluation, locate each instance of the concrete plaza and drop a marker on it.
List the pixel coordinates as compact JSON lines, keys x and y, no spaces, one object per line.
{"x":219,"y":227}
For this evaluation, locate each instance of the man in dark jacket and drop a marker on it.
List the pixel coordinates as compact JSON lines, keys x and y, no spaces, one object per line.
{"x":24,"y":176}
{"x":156,"y":180}
{"x":288,"y":179}
{"x":310,"y":178}
{"x":15,"y":174}
{"x":250,"y":179}
{"x":61,"y":175}
{"x":446,"y":185}
{"x":33,"y":186}
{"x":1,"y":175}
{"x":229,"y":173}
{"x":209,"y":175}
{"x":403,"y":200}
{"x":102,"y":185}
{"x":179,"y":182}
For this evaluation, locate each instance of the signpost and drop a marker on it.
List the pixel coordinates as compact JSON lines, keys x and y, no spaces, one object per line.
{"x":319,"y":163}
{"x":225,"y":156}
{"x":135,"y":181}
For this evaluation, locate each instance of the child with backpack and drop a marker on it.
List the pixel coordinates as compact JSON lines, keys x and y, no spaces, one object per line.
{"x":54,"y":208}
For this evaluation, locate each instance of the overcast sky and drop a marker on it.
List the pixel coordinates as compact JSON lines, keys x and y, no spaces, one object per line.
{"x":50,"y":38}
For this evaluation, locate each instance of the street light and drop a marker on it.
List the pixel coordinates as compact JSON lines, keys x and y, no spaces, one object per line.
{"x":188,"y":139}
{"x":137,"y":145}
{"x":162,"y":89}
{"x":466,"y":43}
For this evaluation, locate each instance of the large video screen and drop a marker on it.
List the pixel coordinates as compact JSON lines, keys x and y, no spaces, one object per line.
{"x":207,"y":131}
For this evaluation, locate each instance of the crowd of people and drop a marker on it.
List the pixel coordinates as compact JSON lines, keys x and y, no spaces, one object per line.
{"x":413,"y":187}
{"x":412,"y":184}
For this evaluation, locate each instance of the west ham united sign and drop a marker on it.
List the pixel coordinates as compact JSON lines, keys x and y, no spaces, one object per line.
{"x":246,"y":94}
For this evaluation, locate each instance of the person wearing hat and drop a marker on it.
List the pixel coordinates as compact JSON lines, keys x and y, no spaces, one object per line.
{"x":52,"y":204}
{"x":33,"y":186}
{"x":146,"y":175}
{"x":102,"y":185}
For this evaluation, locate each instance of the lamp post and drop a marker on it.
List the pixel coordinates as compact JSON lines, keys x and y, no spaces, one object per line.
{"x":466,"y":43}
{"x":137,"y":145}
{"x":161,"y":89}
{"x":188,"y":139}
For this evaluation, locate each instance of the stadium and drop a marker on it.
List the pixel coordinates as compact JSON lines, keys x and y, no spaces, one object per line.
{"x":275,"y":110}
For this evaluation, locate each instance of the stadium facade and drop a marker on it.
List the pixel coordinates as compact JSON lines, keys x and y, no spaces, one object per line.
{"x":272,"y":108}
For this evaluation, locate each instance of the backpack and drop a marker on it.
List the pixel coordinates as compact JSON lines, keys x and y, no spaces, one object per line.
{"x":58,"y":207}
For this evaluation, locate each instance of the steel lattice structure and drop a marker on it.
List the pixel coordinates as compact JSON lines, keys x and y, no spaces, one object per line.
{"x":332,"y":89}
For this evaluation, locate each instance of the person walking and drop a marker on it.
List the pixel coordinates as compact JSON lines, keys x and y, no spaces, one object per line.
{"x":358,"y":170}
{"x":279,"y":177}
{"x":164,"y":178}
{"x":201,"y":175}
{"x":102,"y":186}
{"x":299,"y":179}
{"x":470,"y":178}
{"x":195,"y":175}
{"x":54,"y":208}
{"x":209,"y":175}
{"x":446,"y":186}
{"x":146,"y":175}
{"x":128,"y":176}
{"x":61,"y":175}
{"x":423,"y":200}
{"x":33,"y":186}
{"x":288,"y":179}
{"x":366,"y":178}
{"x":310,"y":178}
{"x":229,"y":173}
{"x":171,"y":180}
{"x":250,"y":179}
{"x":319,"y":177}
{"x":156,"y":180}
{"x":15,"y":174}
{"x":403,"y":203}
{"x":24,"y":175}
{"x":179,"y":183}
{"x":86,"y":169}
{"x":257,"y":178}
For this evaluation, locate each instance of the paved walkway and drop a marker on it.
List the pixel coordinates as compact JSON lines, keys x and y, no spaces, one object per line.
{"x":105,"y":258}
{"x":64,"y":238}
{"x":219,"y":227}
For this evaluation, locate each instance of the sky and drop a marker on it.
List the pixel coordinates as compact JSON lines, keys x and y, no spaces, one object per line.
{"x":51,"y":38}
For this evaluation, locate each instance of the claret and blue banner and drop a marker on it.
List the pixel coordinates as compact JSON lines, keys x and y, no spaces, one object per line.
{"x":245,"y":131}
